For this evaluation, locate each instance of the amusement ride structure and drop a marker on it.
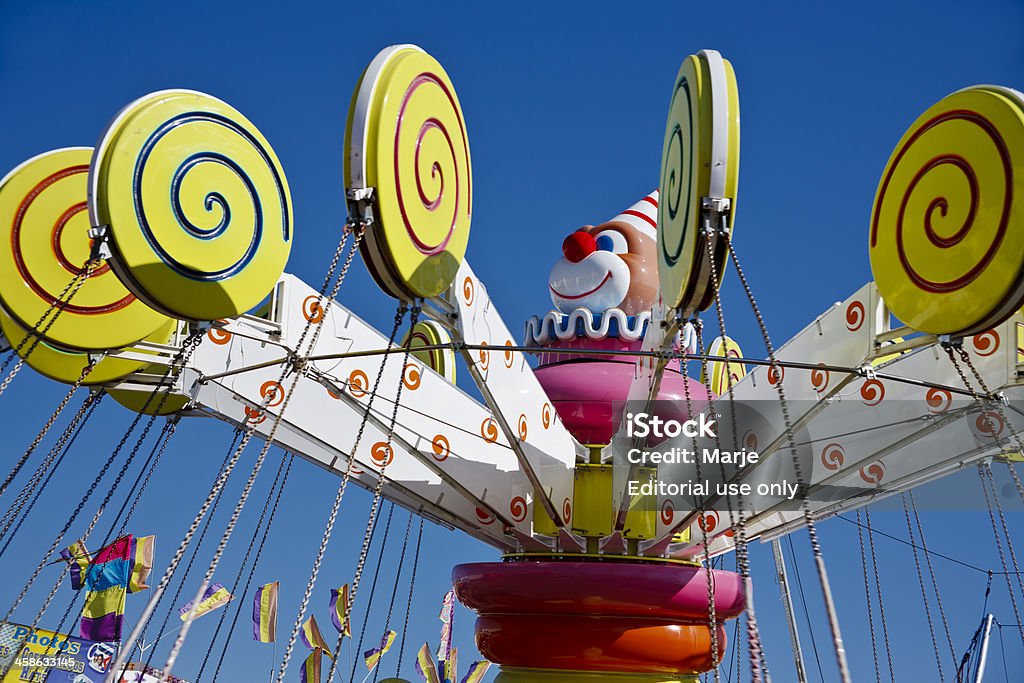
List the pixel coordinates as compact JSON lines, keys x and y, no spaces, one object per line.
{"x":151,"y":269}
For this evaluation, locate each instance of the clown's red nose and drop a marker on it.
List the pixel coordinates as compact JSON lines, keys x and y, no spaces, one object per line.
{"x":578,"y":246}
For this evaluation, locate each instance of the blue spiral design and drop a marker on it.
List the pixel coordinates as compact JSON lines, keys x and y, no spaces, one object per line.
{"x":673,"y":190}
{"x":213,"y":199}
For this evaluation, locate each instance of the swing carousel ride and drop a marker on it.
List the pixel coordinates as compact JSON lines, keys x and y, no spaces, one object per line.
{"x":151,"y":268}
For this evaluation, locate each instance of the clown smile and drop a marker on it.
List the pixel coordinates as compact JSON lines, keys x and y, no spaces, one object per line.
{"x":573,"y":297}
{"x":597,"y":282}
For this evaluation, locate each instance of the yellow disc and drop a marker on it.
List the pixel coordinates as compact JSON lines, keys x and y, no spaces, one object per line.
{"x":65,"y":365}
{"x":198,"y":204}
{"x":719,"y":381}
{"x":430,"y":333}
{"x":407,"y":139}
{"x":947,"y":230}
{"x":700,"y":158}
{"x":137,"y":400}
{"x":44,"y":244}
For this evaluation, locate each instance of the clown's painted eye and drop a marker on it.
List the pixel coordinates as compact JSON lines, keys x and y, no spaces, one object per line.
{"x":613,"y":241}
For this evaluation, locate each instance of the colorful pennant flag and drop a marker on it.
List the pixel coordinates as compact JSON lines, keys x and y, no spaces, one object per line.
{"x":447,"y":617}
{"x":141,"y":555}
{"x":77,"y":556}
{"x":106,"y":583}
{"x":312,"y":637}
{"x":426,"y":666}
{"x":312,"y":666}
{"x":451,"y":667}
{"x":339,"y":610}
{"x":476,"y":672}
{"x":264,"y":612}
{"x":373,"y":656}
{"x":215,"y":596}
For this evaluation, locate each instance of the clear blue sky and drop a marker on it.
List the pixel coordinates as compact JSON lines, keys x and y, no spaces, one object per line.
{"x":565,"y":104}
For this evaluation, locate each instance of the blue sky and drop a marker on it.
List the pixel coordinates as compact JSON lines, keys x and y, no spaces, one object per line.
{"x":565,"y":105}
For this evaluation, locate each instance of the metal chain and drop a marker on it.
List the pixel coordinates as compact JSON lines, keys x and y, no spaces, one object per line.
{"x":924,"y":592}
{"x":297,"y":367}
{"x":373,"y":592}
{"x":394,"y":588}
{"x":867,"y":599}
{"x":985,"y":471}
{"x":56,"y":307}
{"x":245,"y":560}
{"x":931,"y":572}
{"x":408,"y":604}
{"x":379,"y":488}
{"x":812,"y":532}
{"x":878,"y":590}
{"x":48,"y":424}
{"x":149,"y":467}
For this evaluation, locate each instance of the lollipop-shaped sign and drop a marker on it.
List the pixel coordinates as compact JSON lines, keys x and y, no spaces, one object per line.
{"x":947,"y":229}
{"x":44,"y":245}
{"x":407,"y":139}
{"x":428,"y":333}
{"x":197,"y":202}
{"x":720,"y":378}
{"x":700,"y":158}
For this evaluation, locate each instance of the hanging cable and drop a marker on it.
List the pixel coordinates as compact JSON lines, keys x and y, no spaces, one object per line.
{"x":812,"y":532}
{"x":408,"y":604}
{"x":155,"y":455}
{"x":373,"y":592}
{"x":803,"y":604}
{"x":248,"y":580}
{"x":931,"y":572}
{"x":999,"y":547}
{"x":394,"y":587}
{"x":878,"y":592}
{"x":278,"y":485}
{"x":924,"y":592}
{"x":868,"y":601}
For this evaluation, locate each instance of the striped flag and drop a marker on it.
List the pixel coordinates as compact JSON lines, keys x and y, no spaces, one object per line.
{"x":311,"y":667}
{"x":106,"y":584}
{"x":312,"y":637}
{"x":264,"y":612}
{"x":373,"y":656}
{"x":141,"y":555}
{"x":476,"y":672}
{"x":426,"y":666}
{"x":339,"y":610}
{"x":451,"y":667}
{"x":77,"y":556}
{"x":214,"y":596}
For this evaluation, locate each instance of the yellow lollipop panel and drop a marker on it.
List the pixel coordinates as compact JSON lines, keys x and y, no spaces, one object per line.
{"x":719,"y":380}
{"x":700,"y":158}
{"x":44,"y":244}
{"x":947,"y":230}
{"x":407,"y":139}
{"x":198,"y":204}
{"x":66,"y":366}
{"x":430,"y":333}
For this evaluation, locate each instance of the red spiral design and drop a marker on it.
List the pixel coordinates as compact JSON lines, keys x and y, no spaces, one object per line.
{"x":668,"y":513}
{"x":985,"y":343}
{"x":819,"y":379}
{"x":489,"y":430}
{"x":938,"y":400}
{"x":566,"y":511}
{"x":509,"y":356}
{"x":412,"y":376}
{"x":854,"y":316}
{"x":312,"y":309}
{"x":484,"y":517}
{"x":522,"y":427}
{"x":382,"y":454}
{"x":442,"y":449}
{"x":832,"y":456}
{"x":485,"y":357}
{"x":218,"y":336}
{"x":872,"y":392}
{"x":257,"y":415}
{"x":468,"y":291}
{"x":517,"y":508}
{"x":873,"y":473}
{"x":776,"y":373}
{"x":545,"y":415}
{"x":709,"y":522}
{"x":955,"y":162}
{"x":990,"y":423}
{"x":358,"y":383}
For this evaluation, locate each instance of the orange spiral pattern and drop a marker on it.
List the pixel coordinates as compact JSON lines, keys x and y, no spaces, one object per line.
{"x":938,"y":400}
{"x":566,"y":511}
{"x":412,"y":376}
{"x":819,"y":379}
{"x":709,"y":522}
{"x":509,"y":356}
{"x":872,"y":392}
{"x":668,"y":513}
{"x":990,"y":423}
{"x":484,"y":517}
{"x":489,"y":430}
{"x":485,"y":357}
{"x":468,"y":291}
{"x":517,"y":508}
{"x":312,"y":309}
{"x":358,"y":383}
{"x":442,"y":449}
{"x":854,"y":316}
{"x":522,"y":427}
{"x":382,"y":454}
{"x":832,"y":456}
{"x":873,"y":473}
{"x":776,"y":373}
{"x":257,"y":415}
{"x":218,"y":336}
{"x":545,"y":415}
{"x":985,"y":343}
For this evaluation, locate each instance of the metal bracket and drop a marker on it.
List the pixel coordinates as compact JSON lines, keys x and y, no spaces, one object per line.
{"x":360,"y":202}
{"x":100,"y":236}
{"x":949,"y":341}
